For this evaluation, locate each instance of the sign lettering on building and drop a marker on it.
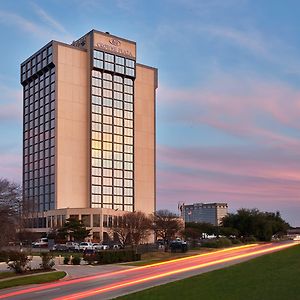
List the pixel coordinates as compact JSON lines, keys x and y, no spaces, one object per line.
{"x":106,"y":43}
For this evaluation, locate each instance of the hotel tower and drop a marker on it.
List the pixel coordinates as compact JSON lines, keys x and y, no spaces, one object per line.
{"x":88,"y":133}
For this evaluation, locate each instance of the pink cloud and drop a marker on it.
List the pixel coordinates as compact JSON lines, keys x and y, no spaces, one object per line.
{"x":10,"y":104}
{"x":11,"y":166}
{"x":240,"y":106}
{"x":240,"y":161}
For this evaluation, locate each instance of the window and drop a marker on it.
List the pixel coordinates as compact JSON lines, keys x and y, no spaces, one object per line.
{"x":109,"y":57}
{"x":105,"y":221}
{"x":120,"y":60}
{"x":76,"y":217}
{"x":96,"y":220}
{"x":86,"y":220}
{"x":130,"y":63}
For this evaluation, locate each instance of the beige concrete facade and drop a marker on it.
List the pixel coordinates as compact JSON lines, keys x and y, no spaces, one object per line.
{"x":72,"y":127}
{"x":144,"y":138}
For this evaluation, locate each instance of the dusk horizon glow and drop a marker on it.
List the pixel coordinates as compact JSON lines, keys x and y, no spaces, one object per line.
{"x":228,"y":101}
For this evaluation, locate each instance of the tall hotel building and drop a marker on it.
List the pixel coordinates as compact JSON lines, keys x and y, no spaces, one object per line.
{"x":89,"y":133}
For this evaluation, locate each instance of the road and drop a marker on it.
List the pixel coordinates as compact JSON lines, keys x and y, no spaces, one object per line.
{"x":112,"y":284}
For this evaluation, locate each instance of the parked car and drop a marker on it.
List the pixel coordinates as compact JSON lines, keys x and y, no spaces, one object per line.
{"x":85,"y":245}
{"x":42,"y":243}
{"x":60,"y":247}
{"x":116,"y":247}
{"x":178,"y":245}
{"x":99,"y":247}
{"x":73,"y":247}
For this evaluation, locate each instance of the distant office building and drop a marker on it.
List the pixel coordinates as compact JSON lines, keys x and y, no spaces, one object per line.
{"x":89,"y":133}
{"x":204,"y":212}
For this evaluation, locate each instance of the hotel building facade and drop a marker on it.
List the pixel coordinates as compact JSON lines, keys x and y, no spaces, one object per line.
{"x":212,"y":213}
{"x":89,"y":133}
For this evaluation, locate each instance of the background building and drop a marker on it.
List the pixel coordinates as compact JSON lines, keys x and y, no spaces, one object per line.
{"x":204,"y":212}
{"x":89,"y":132}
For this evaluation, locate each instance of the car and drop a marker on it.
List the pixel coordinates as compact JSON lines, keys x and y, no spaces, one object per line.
{"x":99,"y":247}
{"x":116,"y":247}
{"x":60,"y":247}
{"x":73,"y":247}
{"x":42,"y":243}
{"x":178,"y":245}
{"x":85,"y":245}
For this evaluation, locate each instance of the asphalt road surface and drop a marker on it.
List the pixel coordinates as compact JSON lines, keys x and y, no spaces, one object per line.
{"x":112,"y":284}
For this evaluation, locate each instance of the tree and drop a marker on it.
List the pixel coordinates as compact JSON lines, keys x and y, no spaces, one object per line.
{"x":166,"y":225}
{"x":74,"y":230}
{"x":252,"y":222}
{"x":10,"y":195}
{"x":203,"y":227}
{"x":8,"y":224}
{"x":229,"y":232}
{"x":10,"y":202}
{"x":192,"y":234}
{"x":132,"y":228}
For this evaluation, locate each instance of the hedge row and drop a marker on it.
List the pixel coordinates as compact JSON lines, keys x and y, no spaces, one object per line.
{"x":217,"y":243}
{"x":111,"y":256}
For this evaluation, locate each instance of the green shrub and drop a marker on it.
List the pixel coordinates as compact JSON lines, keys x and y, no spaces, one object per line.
{"x":217,"y":243}
{"x":18,"y":261}
{"x":3,"y":256}
{"x":66,"y":260}
{"x":249,"y":239}
{"x":76,"y":260}
{"x":47,"y":261}
{"x":89,"y":258}
{"x":224,"y":242}
{"x":210,"y":244}
{"x":110,"y":257}
{"x":235,"y":241}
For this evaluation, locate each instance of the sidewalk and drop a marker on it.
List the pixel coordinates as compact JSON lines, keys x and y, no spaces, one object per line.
{"x":74,"y":271}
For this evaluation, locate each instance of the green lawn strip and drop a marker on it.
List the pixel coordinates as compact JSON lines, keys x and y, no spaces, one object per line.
{"x":33,"y":279}
{"x":274,"y":276}
{"x":6,"y":274}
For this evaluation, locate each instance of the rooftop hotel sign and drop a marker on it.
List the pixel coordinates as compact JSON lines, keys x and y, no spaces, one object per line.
{"x":112,"y":44}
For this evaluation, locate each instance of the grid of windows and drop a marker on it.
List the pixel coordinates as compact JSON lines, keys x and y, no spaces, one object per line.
{"x":36,"y":63}
{"x":39,"y":131}
{"x":112,"y":155}
{"x":114,"y":63}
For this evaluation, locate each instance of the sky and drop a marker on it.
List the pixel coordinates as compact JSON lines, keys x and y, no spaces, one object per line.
{"x":228,"y":102}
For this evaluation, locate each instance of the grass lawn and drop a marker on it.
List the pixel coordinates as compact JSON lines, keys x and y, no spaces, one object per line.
{"x":274,"y":276}
{"x":47,"y":277}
